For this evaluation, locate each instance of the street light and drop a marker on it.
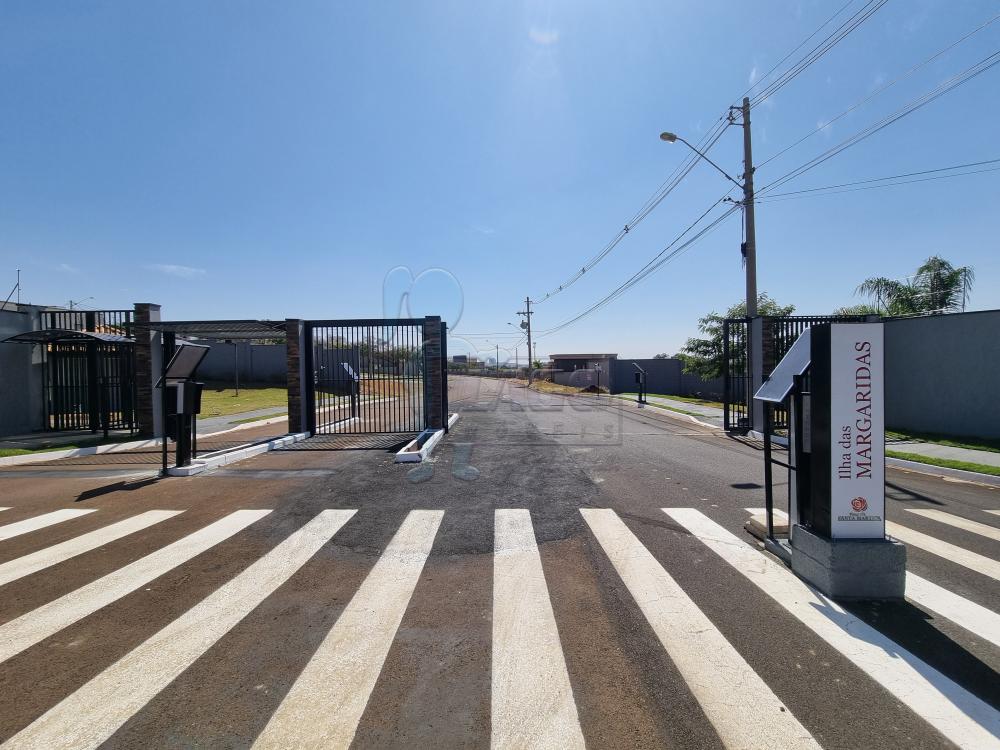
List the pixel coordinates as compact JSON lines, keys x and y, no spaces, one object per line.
{"x":749,"y":249}
{"x":673,"y":137}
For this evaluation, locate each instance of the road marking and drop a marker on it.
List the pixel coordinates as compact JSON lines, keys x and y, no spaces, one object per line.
{"x":994,"y":512}
{"x":4,"y":508}
{"x":37,"y":625}
{"x":961,"y":611}
{"x":761,"y":511}
{"x":960,"y":555}
{"x":532,"y":699}
{"x":958,"y":522}
{"x":950,"y":709}
{"x":973,"y":617}
{"x":952,"y":552}
{"x":40,"y":522}
{"x":43,"y":558}
{"x":752,"y":716}
{"x":325,"y":704}
{"x":88,"y":717}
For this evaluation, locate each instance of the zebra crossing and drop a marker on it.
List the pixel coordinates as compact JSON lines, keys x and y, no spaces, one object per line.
{"x":533,"y":693}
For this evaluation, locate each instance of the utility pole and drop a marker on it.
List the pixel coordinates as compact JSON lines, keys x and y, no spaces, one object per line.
{"x":498,"y":360}
{"x":755,"y":337}
{"x":527,"y":315}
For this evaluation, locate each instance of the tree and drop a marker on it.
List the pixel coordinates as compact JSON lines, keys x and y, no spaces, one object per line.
{"x":537,"y":364}
{"x":937,"y":286}
{"x":703,"y":356}
{"x":661,"y":355}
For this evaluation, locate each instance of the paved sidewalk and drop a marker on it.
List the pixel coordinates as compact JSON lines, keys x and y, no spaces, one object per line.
{"x":709,"y":414}
{"x":208,"y":425}
{"x":933,"y":450}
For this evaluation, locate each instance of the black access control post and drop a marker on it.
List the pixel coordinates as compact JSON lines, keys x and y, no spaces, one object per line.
{"x":640,"y":379}
{"x":181,"y":399}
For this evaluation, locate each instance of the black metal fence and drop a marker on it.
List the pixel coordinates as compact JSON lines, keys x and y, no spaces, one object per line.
{"x":90,"y":385}
{"x":777,"y":337}
{"x":365,"y":376}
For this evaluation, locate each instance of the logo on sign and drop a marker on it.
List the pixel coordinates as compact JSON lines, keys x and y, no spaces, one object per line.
{"x":859,"y":504}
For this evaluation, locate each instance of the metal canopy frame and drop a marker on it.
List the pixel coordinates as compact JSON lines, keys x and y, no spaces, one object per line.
{"x":66,"y":336}
{"x":220,"y":330}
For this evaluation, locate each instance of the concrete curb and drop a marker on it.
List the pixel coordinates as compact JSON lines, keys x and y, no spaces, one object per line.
{"x":232,"y":456}
{"x":670,"y":413}
{"x":90,"y":450}
{"x":942,"y":471}
{"x":409,"y":456}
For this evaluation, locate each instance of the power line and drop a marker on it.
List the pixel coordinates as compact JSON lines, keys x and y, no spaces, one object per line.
{"x":801,"y":44}
{"x":952,"y":83}
{"x":868,"y":184}
{"x":881,"y":89}
{"x":841,"y":32}
{"x":660,"y":259}
{"x":672,"y":181}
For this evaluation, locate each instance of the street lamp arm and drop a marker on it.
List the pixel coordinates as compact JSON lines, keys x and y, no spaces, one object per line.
{"x":671,"y":137}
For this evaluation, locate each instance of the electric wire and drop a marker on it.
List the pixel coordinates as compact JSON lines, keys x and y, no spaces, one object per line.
{"x":880,"y":90}
{"x":838,"y":35}
{"x":885,"y":181}
{"x":912,"y":106}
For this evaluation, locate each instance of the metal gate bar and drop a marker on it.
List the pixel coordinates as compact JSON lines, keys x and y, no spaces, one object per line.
{"x":364,"y":376}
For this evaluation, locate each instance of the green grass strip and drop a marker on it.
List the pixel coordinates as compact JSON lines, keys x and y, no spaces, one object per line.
{"x":946,"y":463}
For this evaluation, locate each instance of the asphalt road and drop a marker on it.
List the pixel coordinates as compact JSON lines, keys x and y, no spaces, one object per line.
{"x":525,"y":588}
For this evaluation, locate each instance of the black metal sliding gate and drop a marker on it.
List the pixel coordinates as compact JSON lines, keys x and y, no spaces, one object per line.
{"x":777,"y":337}
{"x":364,"y":376}
{"x":90,"y":384}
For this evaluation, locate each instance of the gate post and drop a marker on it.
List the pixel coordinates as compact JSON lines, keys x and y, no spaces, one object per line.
{"x":148,"y":364}
{"x":433,"y":380}
{"x":295,"y":376}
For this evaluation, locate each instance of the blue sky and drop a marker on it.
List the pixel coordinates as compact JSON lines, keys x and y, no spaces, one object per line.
{"x":264,"y":159}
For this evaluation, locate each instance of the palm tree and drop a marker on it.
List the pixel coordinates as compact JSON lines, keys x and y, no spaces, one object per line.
{"x":936,"y":287}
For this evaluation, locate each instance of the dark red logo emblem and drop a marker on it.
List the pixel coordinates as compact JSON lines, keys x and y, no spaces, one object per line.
{"x":859,"y":504}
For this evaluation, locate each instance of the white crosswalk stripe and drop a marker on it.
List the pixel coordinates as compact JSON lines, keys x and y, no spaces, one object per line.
{"x":967,"y":614}
{"x":44,"y":558}
{"x":953,"y":711}
{"x":751,"y":716}
{"x":37,"y":625}
{"x":40,"y":522}
{"x":994,"y":512}
{"x":990,"y":532}
{"x":325,"y":704}
{"x":88,"y":717}
{"x":959,"y":555}
{"x":532,"y":699}
{"x":973,"y":617}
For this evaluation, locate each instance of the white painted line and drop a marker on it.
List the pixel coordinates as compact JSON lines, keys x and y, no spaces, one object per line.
{"x":325,"y":704}
{"x":43,"y":558}
{"x":990,"y":532}
{"x":532,"y":698}
{"x":37,"y":625}
{"x":88,"y":717}
{"x":966,"y":558}
{"x":953,"y":711}
{"x":4,"y":508}
{"x":752,"y":716}
{"x":975,"y":618}
{"x":994,"y":512}
{"x":40,"y":522}
{"x":761,"y":511}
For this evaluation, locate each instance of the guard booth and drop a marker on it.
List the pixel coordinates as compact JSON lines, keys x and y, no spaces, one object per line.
{"x":831,"y":382}
{"x":181,"y":402}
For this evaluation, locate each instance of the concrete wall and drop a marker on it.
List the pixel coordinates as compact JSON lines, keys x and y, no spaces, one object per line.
{"x":22,"y":408}
{"x":664,"y":376}
{"x":258,"y":363}
{"x":942,"y":374}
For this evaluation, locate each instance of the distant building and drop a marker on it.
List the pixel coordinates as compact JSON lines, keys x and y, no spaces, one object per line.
{"x":571,"y":362}
{"x":460,"y":359}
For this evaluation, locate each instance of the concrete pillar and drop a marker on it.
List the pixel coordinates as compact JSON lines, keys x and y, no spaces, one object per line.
{"x":294,"y":341}
{"x":148,"y":367}
{"x":433,"y":374}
